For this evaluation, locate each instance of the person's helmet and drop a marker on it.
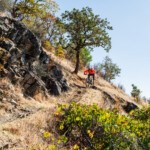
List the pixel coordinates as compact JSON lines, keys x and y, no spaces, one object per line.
{"x":89,"y":67}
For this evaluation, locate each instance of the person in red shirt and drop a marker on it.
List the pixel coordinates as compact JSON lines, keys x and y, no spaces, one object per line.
{"x":90,"y":72}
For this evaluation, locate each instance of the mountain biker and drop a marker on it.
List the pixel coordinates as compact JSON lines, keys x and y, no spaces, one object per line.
{"x":90,"y":72}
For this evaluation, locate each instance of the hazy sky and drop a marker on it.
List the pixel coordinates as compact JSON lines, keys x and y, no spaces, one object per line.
{"x":130,"y":38}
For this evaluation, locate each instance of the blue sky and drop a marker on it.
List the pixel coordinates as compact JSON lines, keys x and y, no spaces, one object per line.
{"x":130,"y":38}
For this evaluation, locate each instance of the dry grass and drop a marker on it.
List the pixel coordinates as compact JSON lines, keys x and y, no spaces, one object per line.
{"x":28,"y":132}
{"x":12,"y":130}
{"x":62,"y":62}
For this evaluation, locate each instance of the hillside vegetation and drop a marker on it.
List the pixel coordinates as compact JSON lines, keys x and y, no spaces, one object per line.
{"x":44,"y":101}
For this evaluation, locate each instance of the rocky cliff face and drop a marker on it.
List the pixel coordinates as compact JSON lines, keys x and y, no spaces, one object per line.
{"x":24,"y":62}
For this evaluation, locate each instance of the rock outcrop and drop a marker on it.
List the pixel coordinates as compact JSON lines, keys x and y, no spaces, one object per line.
{"x":128,"y":106}
{"x":23,"y":60}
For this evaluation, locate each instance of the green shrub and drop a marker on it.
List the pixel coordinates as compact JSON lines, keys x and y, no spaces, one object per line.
{"x":60,"y":52}
{"x":107,"y":69}
{"x":135,"y":92}
{"x":90,"y":127}
{"x":47,"y":45}
{"x":143,"y":114}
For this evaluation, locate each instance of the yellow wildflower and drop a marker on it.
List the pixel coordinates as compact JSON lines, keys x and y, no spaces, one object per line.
{"x":75,"y":147}
{"x":46,"y":134}
{"x":52,"y":147}
{"x":90,"y":133}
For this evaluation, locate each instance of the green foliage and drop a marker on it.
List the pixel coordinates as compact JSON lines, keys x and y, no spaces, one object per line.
{"x":28,"y":8}
{"x":47,"y":45}
{"x":143,"y":114}
{"x":38,"y":15}
{"x":85,"y":30}
{"x":85,"y":57}
{"x":135,"y":92}
{"x":90,"y":127}
{"x":108,"y":69}
{"x":60,"y":52}
{"x":54,"y":142}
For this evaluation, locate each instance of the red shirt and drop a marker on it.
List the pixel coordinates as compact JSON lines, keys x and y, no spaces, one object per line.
{"x":89,"y":71}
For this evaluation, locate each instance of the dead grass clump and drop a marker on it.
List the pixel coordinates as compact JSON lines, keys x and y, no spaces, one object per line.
{"x":12,"y":130}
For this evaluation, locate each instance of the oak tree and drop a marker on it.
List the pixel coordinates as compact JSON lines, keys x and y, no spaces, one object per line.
{"x":85,"y":30}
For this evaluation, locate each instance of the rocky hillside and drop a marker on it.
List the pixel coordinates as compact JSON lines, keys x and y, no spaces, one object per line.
{"x":105,"y":94}
{"x":34,"y":81}
{"x":23,"y":60}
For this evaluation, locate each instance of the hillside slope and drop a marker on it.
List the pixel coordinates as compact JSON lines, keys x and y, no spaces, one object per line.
{"x":28,"y":96}
{"x":105,"y":94}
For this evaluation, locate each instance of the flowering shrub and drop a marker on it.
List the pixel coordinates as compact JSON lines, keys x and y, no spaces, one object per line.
{"x":90,"y":127}
{"x":143,"y":114}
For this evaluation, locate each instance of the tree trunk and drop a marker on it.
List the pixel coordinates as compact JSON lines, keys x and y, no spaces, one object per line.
{"x":14,"y":9}
{"x":77,"y":62}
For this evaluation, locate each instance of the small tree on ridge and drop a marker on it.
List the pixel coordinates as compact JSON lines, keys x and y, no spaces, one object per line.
{"x":85,"y":30}
{"x":108,"y":69}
